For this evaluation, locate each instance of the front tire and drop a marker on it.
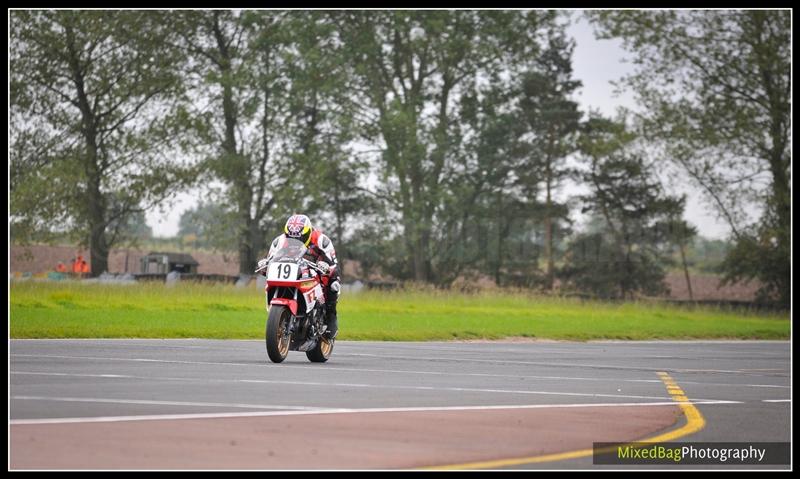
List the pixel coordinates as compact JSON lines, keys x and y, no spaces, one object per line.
{"x":322,"y":351}
{"x":276,"y":337}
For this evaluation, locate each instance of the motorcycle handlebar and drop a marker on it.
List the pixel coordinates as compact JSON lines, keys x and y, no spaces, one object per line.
{"x":314,"y":267}
{"x":302,"y":261}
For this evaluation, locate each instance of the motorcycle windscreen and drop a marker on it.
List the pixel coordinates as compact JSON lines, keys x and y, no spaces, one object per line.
{"x":291,"y":250}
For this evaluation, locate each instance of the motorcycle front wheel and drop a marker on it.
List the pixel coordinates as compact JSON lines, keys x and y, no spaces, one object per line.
{"x":277,"y":337}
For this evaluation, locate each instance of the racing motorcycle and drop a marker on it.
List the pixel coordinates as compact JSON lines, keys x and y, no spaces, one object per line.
{"x":296,"y":304}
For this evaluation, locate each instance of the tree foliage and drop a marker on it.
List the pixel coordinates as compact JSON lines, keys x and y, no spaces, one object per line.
{"x":274,"y":117}
{"x":715,"y":87}
{"x":416,"y":71}
{"x":92,"y":98}
{"x":430,"y":145}
{"x":552,"y":119}
{"x":628,"y":255}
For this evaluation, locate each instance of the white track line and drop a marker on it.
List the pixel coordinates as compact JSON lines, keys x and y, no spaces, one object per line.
{"x":540,"y":363}
{"x":359,"y":385}
{"x":587,"y":348}
{"x":777,"y":400}
{"x":164,"y":378}
{"x":453,"y":389}
{"x":165,"y":403}
{"x":369,"y":386}
{"x":401,"y":371}
{"x":163,"y":417}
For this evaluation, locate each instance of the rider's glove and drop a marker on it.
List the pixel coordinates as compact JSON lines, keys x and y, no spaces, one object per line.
{"x":262,"y":266}
{"x":325,"y":267}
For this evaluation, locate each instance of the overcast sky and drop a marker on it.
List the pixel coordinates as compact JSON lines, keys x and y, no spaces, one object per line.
{"x":596,"y":63}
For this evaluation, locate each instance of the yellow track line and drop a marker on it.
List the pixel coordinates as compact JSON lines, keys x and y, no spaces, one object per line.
{"x":694,"y":423}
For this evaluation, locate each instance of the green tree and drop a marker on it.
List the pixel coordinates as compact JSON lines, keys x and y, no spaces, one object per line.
{"x":224,"y":72}
{"x":212,"y":225}
{"x":269,"y":113}
{"x":681,"y":234}
{"x":322,"y":110}
{"x":413,"y":69}
{"x":135,"y":228}
{"x":92,"y":102}
{"x":552,"y":119}
{"x":707,"y":255}
{"x":716,"y":91}
{"x":627,"y":257}
{"x":494,"y":212}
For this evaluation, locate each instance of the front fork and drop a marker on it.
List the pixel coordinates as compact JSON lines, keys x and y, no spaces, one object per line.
{"x":290,"y":325}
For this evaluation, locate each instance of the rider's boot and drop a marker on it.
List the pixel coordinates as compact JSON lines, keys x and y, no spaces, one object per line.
{"x":331,"y":320}
{"x":330,"y":310}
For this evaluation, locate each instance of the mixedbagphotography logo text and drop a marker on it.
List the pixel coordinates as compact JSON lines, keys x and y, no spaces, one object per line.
{"x":718,"y":453}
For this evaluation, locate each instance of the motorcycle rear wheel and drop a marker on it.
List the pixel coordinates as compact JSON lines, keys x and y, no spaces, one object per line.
{"x":322,"y":351}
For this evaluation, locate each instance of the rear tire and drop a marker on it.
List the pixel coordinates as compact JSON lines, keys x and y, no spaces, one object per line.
{"x":322,"y":351}
{"x":277,"y":339}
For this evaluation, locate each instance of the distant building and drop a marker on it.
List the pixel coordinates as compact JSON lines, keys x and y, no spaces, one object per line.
{"x":163,"y":263}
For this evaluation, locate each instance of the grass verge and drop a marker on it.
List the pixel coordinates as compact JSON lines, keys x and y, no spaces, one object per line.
{"x":75,"y":310}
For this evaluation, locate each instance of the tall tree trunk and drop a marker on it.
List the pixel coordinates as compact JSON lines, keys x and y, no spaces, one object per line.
{"x":249,"y":254}
{"x":98,"y":244}
{"x":416,"y":244}
{"x":686,"y":270}
{"x":262,"y":205}
{"x":425,"y":245}
{"x":238,"y":177}
{"x":246,"y":256}
{"x":95,"y":202}
{"x":339,"y":219}
{"x":548,"y":224}
{"x":236,"y":168}
{"x":500,"y":237}
{"x":420,"y":256}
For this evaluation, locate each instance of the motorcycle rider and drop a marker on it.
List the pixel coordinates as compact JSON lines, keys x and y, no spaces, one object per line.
{"x":321,"y":251}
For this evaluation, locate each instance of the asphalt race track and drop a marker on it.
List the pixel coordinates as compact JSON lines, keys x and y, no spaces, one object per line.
{"x":204,"y":404}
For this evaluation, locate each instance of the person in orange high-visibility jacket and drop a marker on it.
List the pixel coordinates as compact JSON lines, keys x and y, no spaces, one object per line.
{"x":76,"y":264}
{"x":61,"y":268}
{"x":85,"y":267}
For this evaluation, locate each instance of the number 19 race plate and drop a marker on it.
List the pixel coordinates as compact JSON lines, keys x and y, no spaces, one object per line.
{"x":282,"y":272}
